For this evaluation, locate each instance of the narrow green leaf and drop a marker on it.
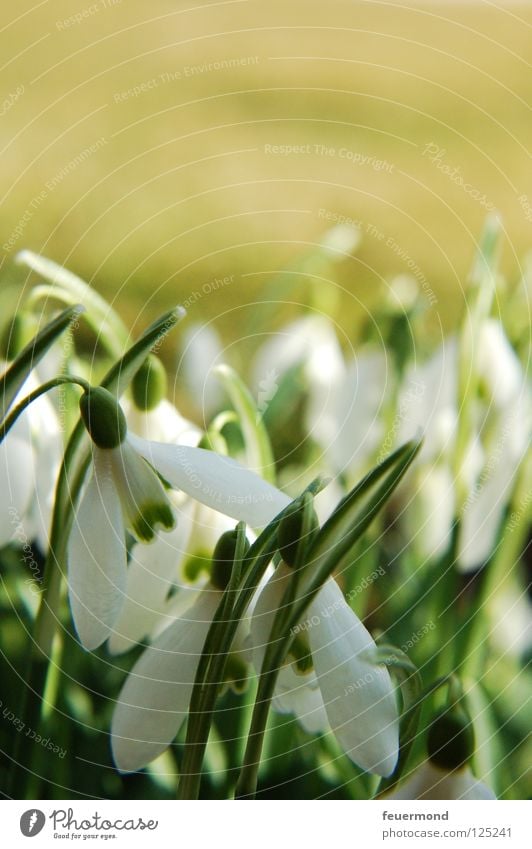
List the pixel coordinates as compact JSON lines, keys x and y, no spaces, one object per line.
{"x":273,"y":659}
{"x":14,"y":377}
{"x":259,"y":452}
{"x":204,"y":696}
{"x":344,"y":528}
{"x":69,"y":288}
{"x":351,"y":519}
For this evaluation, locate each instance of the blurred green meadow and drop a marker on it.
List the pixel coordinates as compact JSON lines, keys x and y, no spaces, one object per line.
{"x":154,"y":148}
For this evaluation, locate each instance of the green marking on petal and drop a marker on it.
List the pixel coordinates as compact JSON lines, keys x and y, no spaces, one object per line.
{"x":236,"y":673}
{"x":196,"y":565}
{"x":300,"y":653}
{"x":150,"y":517}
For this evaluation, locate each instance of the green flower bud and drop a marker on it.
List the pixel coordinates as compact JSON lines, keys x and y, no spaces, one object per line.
{"x":450,"y":739}
{"x":148,"y":387}
{"x":17,"y":334}
{"x":290,"y":530}
{"x":103,"y":417}
{"x":223,"y":559}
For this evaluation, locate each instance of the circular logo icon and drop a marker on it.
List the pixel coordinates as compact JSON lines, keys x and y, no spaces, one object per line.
{"x":32,"y":822}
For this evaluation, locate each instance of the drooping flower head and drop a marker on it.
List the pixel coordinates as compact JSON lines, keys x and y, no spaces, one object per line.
{"x":329,"y":678}
{"x":154,"y":700}
{"x":446,"y":773}
{"x":128,"y":490}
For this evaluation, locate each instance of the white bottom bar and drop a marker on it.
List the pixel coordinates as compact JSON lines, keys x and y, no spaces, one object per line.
{"x":265,"y":825}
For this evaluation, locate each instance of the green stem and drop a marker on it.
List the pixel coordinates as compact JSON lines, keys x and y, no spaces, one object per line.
{"x":273,"y":660}
{"x":446,"y":606}
{"x":275,"y":655}
{"x":212,"y":664}
{"x":204,"y":697}
{"x":44,"y":627}
{"x":10,"y":420}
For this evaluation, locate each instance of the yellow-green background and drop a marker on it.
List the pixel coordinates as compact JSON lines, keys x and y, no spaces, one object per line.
{"x":182,"y":190}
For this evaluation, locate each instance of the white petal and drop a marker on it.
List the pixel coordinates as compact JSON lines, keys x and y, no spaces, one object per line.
{"x":162,"y":424}
{"x":219,"y":482}
{"x":340,"y":240}
{"x":427,"y":402}
{"x":97,"y":557}
{"x":359,"y":696}
{"x":17,"y":482}
{"x":356,"y":409}
{"x":48,"y":450}
{"x":202,"y":348}
{"x":208,"y":525}
{"x":155,"y":698}
{"x":498,"y":364}
{"x":466,"y":786}
{"x":430,"y":512}
{"x":294,"y":693}
{"x":144,"y":501}
{"x":301,"y":696}
{"x":152,"y":571}
{"x":492,"y":488}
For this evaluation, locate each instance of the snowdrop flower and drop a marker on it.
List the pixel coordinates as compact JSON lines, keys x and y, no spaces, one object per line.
{"x":446,"y":774}
{"x":150,"y":415}
{"x":311,"y":343}
{"x":502,"y":418}
{"x":427,"y":402}
{"x":30,"y":457}
{"x":124,"y":491}
{"x":329,"y":678}
{"x":340,"y":240}
{"x":356,"y":406}
{"x":176,"y":560}
{"x":154,"y":701}
{"x":506,"y":426}
{"x":202,"y":349}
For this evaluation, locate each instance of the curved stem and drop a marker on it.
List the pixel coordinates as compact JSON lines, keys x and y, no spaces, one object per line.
{"x":8,"y":422}
{"x":45,"y":622}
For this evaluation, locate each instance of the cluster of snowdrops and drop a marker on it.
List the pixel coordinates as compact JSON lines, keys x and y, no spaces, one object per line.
{"x":229,"y":569}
